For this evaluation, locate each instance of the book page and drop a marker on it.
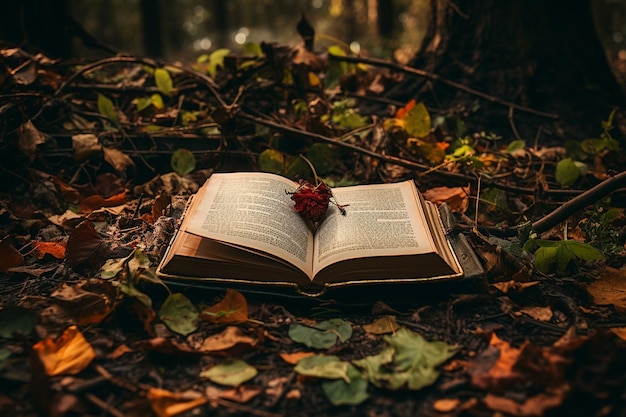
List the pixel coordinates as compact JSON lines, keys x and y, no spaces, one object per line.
{"x":381,"y":220}
{"x":253,"y":210}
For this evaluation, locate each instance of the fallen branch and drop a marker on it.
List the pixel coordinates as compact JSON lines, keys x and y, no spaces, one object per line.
{"x":435,"y":77}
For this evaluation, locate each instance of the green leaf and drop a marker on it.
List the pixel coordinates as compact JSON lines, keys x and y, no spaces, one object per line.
{"x":516,"y":145}
{"x":545,"y":258}
{"x":216,"y":59}
{"x":417,"y":122}
{"x":271,"y":160}
{"x":252,"y":48}
{"x":323,"y":156}
{"x":322,"y":366}
{"x":408,"y":361}
{"x":107,"y":108}
{"x":231,"y":373}
{"x":143,"y":103}
{"x":567,"y":172}
{"x":340,"y":392}
{"x":583,"y":251}
{"x":183,"y":161}
{"x":163,"y":81}
{"x":179,"y":314}
{"x":130,"y":290}
{"x":16,"y":320}
{"x":112,"y":267}
{"x":322,"y":336}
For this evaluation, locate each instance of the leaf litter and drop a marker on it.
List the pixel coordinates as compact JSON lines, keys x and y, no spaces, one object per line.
{"x":82,"y":308}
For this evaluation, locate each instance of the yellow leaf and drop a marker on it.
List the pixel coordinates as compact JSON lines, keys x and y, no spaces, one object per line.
{"x":69,"y":354}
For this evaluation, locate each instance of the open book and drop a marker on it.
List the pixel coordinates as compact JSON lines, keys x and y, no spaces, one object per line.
{"x":242,"y":228}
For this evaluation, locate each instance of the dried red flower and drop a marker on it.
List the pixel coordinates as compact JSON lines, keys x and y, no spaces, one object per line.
{"x":311,"y":201}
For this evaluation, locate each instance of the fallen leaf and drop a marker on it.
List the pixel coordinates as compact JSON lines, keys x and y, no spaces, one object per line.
{"x":84,"y":241}
{"x":537,"y":313}
{"x":165,"y":345}
{"x":446,"y":405}
{"x":85,"y":145}
{"x":166,"y":403}
{"x":457,"y":198}
{"x":232,"y":373}
{"x":119,"y":351}
{"x":619,"y":332}
{"x":493,"y":369}
{"x":179,"y":314}
{"x":533,"y":406}
{"x":610,"y":288}
{"x":29,"y":138}
{"x":321,"y":336}
{"x":96,"y":201}
{"x":506,"y":286}
{"x":227,"y":339}
{"x":9,"y":256}
{"x":232,"y":309}
{"x":352,"y":392}
{"x":55,"y":249}
{"x":294,"y":358}
{"x":323,"y":366}
{"x":117,"y":159}
{"x":84,"y":304}
{"x":70,"y":193}
{"x":241,"y":394}
{"x":69,"y":354}
{"x":382,"y":325}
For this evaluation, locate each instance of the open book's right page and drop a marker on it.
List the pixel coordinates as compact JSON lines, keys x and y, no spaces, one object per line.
{"x":380,"y":220}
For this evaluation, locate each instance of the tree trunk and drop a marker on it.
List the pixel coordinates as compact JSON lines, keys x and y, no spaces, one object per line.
{"x":541,"y":54}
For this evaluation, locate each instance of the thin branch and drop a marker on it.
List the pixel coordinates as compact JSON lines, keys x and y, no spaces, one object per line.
{"x":579,"y":202}
{"x":512,"y":123}
{"x":400,"y":161}
{"x":436,"y":77}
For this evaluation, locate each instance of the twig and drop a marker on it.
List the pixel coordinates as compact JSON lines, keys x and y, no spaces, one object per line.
{"x":109,"y":409}
{"x":400,"y":161}
{"x":512,"y":123}
{"x":579,"y":202}
{"x":436,"y":77}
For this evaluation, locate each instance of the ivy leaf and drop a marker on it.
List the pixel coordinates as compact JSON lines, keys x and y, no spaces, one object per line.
{"x":179,"y":314}
{"x":322,"y":336}
{"x":271,"y":160}
{"x":340,"y":392}
{"x":107,"y":108}
{"x":232,"y":373}
{"x":417,"y":121}
{"x":567,"y":172}
{"x":183,"y":161}
{"x":323,"y":366}
{"x":408,"y":361}
{"x":163,"y":81}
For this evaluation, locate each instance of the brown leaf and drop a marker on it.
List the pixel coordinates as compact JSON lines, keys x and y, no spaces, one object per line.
{"x":69,"y":354}
{"x":232,"y":309}
{"x":457,"y":198}
{"x":241,"y":394}
{"x":166,"y":403}
{"x":85,"y":306}
{"x":9,"y":256}
{"x":537,"y":313}
{"x":493,"y":368}
{"x":534,"y":406}
{"x":55,"y":249}
{"x":68,"y":192}
{"x":117,"y":159}
{"x":382,"y":325}
{"x":29,"y":138}
{"x":84,"y":242}
{"x":610,"y":288}
{"x":619,"y":332}
{"x":85,"y":145}
{"x":231,"y":336}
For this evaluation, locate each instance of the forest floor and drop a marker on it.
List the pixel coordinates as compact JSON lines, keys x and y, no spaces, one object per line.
{"x":99,"y":158}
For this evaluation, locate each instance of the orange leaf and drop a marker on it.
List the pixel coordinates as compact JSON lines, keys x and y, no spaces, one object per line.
{"x":69,"y":354}
{"x":294,"y":358}
{"x":166,"y":403}
{"x":403,"y":111}
{"x":232,"y":309}
{"x":457,"y":198}
{"x":70,"y":193}
{"x":95,"y":202}
{"x":49,"y":248}
{"x":9,"y":256}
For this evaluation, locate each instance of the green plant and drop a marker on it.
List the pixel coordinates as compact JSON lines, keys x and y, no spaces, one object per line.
{"x":558,"y":255}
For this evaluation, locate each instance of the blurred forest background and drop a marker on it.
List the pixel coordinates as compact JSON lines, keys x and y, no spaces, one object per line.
{"x":184,"y":29}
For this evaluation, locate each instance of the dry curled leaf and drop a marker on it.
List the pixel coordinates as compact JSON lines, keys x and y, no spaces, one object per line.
{"x":68,"y":354}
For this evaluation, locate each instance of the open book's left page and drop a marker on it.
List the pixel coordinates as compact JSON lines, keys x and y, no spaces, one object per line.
{"x":253,"y":210}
